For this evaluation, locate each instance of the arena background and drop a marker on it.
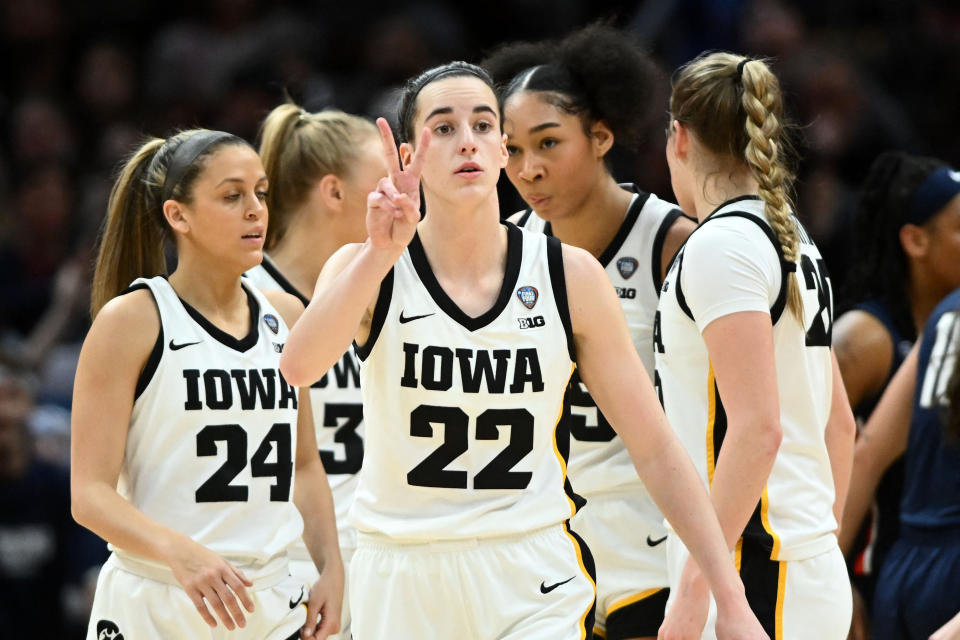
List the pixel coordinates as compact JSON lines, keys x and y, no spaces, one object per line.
{"x":82,"y":82}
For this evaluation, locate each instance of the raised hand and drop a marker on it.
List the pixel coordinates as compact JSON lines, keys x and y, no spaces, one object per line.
{"x":393,"y":210}
{"x":211,"y":581}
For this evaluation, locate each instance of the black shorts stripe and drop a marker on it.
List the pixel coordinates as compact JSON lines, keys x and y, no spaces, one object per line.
{"x":638,"y":619}
{"x":763,"y":580}
{"x":591,"y":568}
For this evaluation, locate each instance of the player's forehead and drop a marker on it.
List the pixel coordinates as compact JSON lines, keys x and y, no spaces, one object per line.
{"x":457,"y":94}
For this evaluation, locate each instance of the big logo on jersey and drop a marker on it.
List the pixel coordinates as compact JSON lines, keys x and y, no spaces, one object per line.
{"x":627,"y":267}
{"x":528,"y":296}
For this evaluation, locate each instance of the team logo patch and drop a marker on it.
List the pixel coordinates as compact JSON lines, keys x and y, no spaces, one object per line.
{"x":528,"y":296}
{"x":271,"y":321}
{"x":108,"y":630}
{"x":627,"y":267}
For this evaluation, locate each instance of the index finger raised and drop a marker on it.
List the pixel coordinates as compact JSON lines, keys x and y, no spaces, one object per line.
{"x":389,"y":148}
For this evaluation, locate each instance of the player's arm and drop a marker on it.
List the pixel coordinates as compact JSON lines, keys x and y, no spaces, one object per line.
{"x":114,"y":353}
{"x":949,"y":631}
{"x":882,"y":440}
{"x":839,"y":436}
{"x":311,"y":494}
{"x":611,"y":368}
{"x":864,"y":353}
{"x":346,"y":291}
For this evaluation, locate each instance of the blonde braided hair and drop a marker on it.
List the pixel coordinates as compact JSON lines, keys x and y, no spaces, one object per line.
{"x":735,"y":107}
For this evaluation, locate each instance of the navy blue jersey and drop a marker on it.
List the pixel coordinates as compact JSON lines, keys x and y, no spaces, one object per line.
{"x":931,"y":492}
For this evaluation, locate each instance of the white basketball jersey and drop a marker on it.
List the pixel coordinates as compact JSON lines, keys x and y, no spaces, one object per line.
{"x":598,"y":460}
{"x":463,"y":413}
{"x":337,"y":411}
{"x":213,"y":434}
{"x":794,"y":518}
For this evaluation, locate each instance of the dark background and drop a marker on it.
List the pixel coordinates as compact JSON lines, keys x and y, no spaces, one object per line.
{"x":82,"y":82}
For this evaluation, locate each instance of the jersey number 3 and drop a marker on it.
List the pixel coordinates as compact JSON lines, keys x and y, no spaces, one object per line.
{"x":431,"y":472}
{"x":218,"y":487}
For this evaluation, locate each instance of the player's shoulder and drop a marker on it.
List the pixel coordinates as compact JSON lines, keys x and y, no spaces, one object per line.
{"x":287,"y":305}
{"x":129,"y":322}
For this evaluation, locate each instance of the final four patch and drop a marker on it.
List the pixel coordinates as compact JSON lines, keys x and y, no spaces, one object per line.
{"x":271,"y":321}
{"x":627,"y":267}
{"x":528,"y":296}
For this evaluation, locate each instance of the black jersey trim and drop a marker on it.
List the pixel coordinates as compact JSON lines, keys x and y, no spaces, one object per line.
{"x":732,"y":201}
{"x":658,"y":241}
{"x":785,"y":267}
{"x":590,"y":566}
{"x":522,"y":222}
{"x":242,"y":344}
{"x":682,"y":299}
{"x":558,"y":282}
{"x":153,"y":361}
{"x":285,"y":284}
{"x":380,"y":308}
{"x":514,"y":258}
{"x":630,"y":219}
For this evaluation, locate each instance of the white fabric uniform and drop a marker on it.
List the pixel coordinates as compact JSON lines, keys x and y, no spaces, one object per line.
{"x":209,"y":453}
{"x":620,"y":522}
{"x":732,"y":263}
{"x":338,"y":423}
{"x":462,"y":416}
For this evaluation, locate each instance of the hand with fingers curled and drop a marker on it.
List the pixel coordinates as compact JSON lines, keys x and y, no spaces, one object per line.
{"x":326,"y":600}
{"x":211,"y":582}
{"x":393,"y":210}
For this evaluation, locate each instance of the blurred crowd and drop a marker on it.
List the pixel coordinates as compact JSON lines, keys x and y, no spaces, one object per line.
{"x":83,"y":82}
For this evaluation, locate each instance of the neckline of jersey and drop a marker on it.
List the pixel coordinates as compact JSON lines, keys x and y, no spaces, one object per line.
{"x":242,"y":344}
{"x":421,"y":265}
{"x":748,"y":196}
{"x":629,"y":219}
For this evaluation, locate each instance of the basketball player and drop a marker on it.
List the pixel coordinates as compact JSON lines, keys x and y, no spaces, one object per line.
{"x":909,"y":220}
{"x":562,"y":114}
{"x":919,"y":417}
{"x":468,"y":330}
{"x":184,"y":431}
{"x":321,"y":166}
{"x":742,"y":342}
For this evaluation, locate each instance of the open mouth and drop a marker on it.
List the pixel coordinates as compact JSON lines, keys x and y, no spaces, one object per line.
{"x":469,"y":168}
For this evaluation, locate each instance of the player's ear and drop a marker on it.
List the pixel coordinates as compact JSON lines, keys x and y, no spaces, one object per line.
{"x":174,"y":212}
{"x":915,"y":241}
{"x":406,"y":154}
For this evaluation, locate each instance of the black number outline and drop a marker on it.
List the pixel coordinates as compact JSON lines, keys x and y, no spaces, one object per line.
{"x":578,"y":396}
{"x":497,"y":474}
{"x":346,"y":434}
{"x":432,"y":471}
{"x":282,"y":469}
{"x":816,"y":277}
{"x":217,"y":487}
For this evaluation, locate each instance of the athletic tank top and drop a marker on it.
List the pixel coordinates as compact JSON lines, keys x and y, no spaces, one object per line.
{"x":598,"y":460}
{"x":794,"y":518}
{"x":931,"y":492}
{"x":464,"y":436}
{"x":337,"y":414}
{"x":213,"y":434}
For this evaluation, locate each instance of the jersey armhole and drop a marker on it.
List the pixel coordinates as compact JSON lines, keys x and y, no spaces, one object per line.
{"x":658,"y":241}
{"x":559,"y":283}
{"x":379,"y":317}
{"x":153,"y":361}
